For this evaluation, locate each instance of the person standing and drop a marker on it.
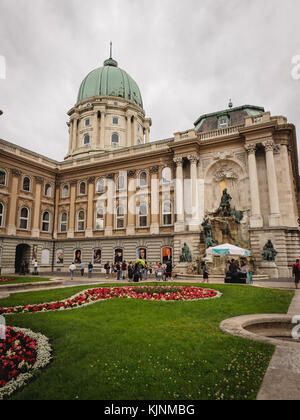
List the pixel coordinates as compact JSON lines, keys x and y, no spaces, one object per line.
{"x":72,"y":269}
{"x":82,"y":267}
{"x":119,"y":271}
{"x":130,"y":271}
{"x":245,"y":270}
{"x":205,"y":273}
{"x":136,"y":273}
{"x":296,"y":273}
{"x":145,"y":270}
{"x":90,"y":270}
{"x":35,"y":267}
{"x":169,"y":270}
{"x":107,"y":269}
{"x":124,"y":269}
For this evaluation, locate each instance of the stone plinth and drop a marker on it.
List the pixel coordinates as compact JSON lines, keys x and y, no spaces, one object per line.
{"x":270,"y":269}
{"x":182,"y":267}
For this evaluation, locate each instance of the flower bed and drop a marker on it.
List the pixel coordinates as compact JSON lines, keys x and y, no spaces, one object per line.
{"x":22,"y":353}
{"x":90,"y":296}
{"x":2,"y":279}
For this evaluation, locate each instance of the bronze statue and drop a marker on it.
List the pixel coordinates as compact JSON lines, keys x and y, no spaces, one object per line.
{"x":208,"y":233}
{"x":269,"y":252}
{"x":186,"y":256}
{"x":225,"y":204}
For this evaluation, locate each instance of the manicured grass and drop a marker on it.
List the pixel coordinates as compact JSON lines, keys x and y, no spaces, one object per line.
{"x":130,"y":349}
{"x":18,"y":280}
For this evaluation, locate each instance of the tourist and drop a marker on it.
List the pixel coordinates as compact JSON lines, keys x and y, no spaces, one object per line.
{"x":90,"y":269}
{"x":82,"y":267}
{"x":145,"y":271}
{"x":245,"y":270}
{"x":22,"y":268}
{"x":113,"y":270}
{"x":205,"y":272}
{"x":118,"y":271}
{"x":136,"y":273}
{"x":227,"y":267}
{"x":72,"y":269}
{"x":169,"y":270}
{"x":35,"y":267}
{"x":130,"y":271}
{"x":124,"y":270}
{"x":296,"y":273}
{"x":107,"y":269}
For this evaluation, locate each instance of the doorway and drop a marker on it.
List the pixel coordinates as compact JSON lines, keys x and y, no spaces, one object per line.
{"x":22,"y":256}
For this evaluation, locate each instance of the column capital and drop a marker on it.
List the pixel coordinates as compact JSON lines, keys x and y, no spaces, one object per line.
{"x":91,"y":179}
{"x":39,"y":180}
{"x":193,"y":158}
{"x":16,"y":173}
{"x":250,"y":148}
{"x":178,"y":160}
{"x":73,"y":183}
{"x":110,"y":176}
{"x":269,"y":145}
{"x":154,"y":170}
{"x":130,"y":174}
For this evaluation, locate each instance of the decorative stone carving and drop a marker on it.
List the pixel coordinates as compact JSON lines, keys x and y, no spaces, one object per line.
{"x":193,"y":158}
{"x":130,"y":174}
{"x":39,"y":180}
{"x":178,"y":160}
{"x":269,"y":252}
{"x":269,"y":145}
{"x":110,"y":176}
{"x":222,"y":155}
{"x":154,"y":170}
{"x":16,"y":172}
{"x":225,"y":172}
{"x":73,"y":182}
{"x":186,"y":256}
{"x":91,"y":180}
{"x":250,"y":148}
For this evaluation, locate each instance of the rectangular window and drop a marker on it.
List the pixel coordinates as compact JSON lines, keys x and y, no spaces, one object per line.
{"x":87,"y":122}
{"x":115,"y":120}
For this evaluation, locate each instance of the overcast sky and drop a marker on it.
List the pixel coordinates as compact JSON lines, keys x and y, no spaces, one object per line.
{"x":188,"y":58}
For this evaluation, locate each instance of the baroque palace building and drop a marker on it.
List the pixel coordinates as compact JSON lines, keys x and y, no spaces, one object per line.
{"x":119,"y":196}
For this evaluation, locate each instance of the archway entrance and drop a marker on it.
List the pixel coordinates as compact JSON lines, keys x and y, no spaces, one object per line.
{"x":22,"y":256}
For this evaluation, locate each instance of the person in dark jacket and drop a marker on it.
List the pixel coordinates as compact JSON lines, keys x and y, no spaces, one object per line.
{"x":130,"y":271}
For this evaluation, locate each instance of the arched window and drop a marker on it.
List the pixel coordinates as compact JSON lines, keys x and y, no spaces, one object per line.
{"x":80,"y":221}
{"x":115,"y":139}
{"x":3,"y":177}
{"x":26,"y":186}
{"x":120,"y":218}
{"x":48,"y":190}
{"x":24,"y":218}
{"x":100,"y":187}
{"x":1,"y":215}
{"x":46,"y":222}
{"x":99,"y":218}
{"x":65,"y":191}
{"x":167,"y":213}
{"x":143,"y":179}
{"x":143,"y":215}
{"x":63,"y":222}
{"x":121,"y":183}
{"x":86,"y":140}
{"x":166,"y":176}
{"x":82,"y":188}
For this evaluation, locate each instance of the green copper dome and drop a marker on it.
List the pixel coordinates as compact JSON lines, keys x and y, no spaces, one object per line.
{"x":110,"y":80}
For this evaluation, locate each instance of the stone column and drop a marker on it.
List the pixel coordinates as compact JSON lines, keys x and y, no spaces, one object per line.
{"x":179,"y":199}
{"x":274,"y":217}
{"x":147,"y":134}
{"x":194,"y":223}
{"x":134,"y":131}
{"x":290,"y":199}
{"x":102,"y":128}
{"x":11,"y":227}
{"x":71,"y":229}
{"x":128,"y":130}
{"x":74,"y":133}
{"x":57,"y":215}
{"x":256,"y":219}
{"x":70,"y":124}
{"x":131,"y":203}
{"x":155,"y":202}
{"x":37,"y":207}
{"x":90,"y":210}
{"x":110,"y":205}
{"x":201,"y":196}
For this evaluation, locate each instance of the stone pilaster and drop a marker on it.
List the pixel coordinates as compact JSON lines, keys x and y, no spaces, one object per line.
{"x":71,"y":229}
{"x":90,"y":210}
{"x":37,"y":207}
{"x":110,"y":205}
{"x":155,"y":202}
{"x":131,"y":209}
{"x":256,"y":219}
{"x":194,"y":222}
{"x":274,"y":217}
{"x":128,"y":139}
{"x":11,"y":227}
{"x":179,"y":199}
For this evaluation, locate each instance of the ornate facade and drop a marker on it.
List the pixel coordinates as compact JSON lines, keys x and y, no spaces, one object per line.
{"x":117,"y":194}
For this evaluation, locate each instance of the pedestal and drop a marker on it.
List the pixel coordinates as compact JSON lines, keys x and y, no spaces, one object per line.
{"x":270,"y":269}
{"x":182,"y":267}
{"x":256,"y":221}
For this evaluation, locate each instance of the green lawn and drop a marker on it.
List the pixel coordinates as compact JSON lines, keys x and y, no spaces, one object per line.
{"x":130,"y":349}
{"x":18,"y":280}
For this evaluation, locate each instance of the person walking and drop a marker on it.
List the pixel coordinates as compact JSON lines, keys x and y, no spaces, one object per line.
{"x":136,"y":273}
{"x":90,"y":270}
{"x":35,"y":267}
{"x":124,"y":270}
{"x":82,"y":267}
{"x":107,"y":269}
{"x":130,"y":271}
{"x":296,"y":273}
{"x":205,"y":272}
{"x":119,"y":271}
{"x":145,"y":271}
{"x":72,"y":269}
{"x":169,"y":270}
{"x":245,"y":270}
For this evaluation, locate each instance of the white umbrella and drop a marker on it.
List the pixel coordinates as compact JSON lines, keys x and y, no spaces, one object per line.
{"x":228,"y":249}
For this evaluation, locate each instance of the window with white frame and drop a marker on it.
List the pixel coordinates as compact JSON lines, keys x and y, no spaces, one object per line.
{"x":167,"y":213}
{"x":1,"y":215}
{"x":24,"y":218}
{"x":100,"y":186}
{"x":48,"y":190}
{"x":143,"y":179}
{"x":99,"y":218}
{"x":81,"y":221}
{"x":143,"y":215}
{"x":26,"y":185}
{"x":45,"y":257}
{"x":121,"y":183}
{"x":82,"y":188}
{"x":65,"y":191}
{"x":63,"y":222}
{"x":86,"y":140}
{"x":3,"y":177}
{"x":120,"y":218}
{"x":115,"y":139}
{"x":46,"y":221}
{"x":166,"y":176}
